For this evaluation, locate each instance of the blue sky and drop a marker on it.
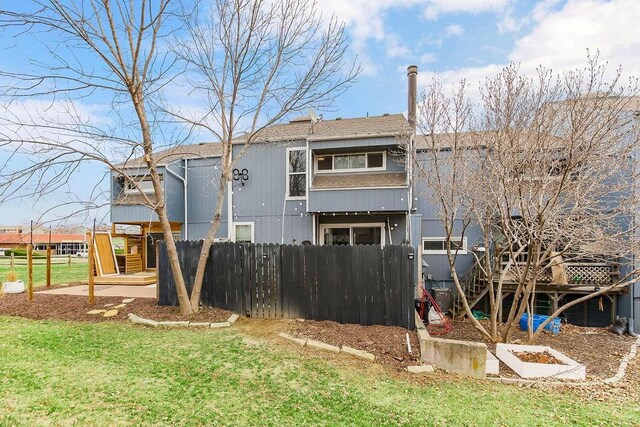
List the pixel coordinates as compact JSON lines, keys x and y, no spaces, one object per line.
{"x":452,"y":39}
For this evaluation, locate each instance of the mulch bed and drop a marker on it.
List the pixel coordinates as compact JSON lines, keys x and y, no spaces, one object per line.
{"x":72,"y":307}
{"x":537,"y":357}
{"x":387,"y":343}
{"x":598,"y":349}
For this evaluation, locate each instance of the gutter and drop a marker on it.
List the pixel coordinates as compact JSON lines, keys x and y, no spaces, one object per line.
{"x":185,"y":182}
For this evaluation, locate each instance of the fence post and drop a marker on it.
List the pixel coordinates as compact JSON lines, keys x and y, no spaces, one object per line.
{"x":92,"y":298}
{"x":48,"y":266}
{"x":30,"y":273}
{"x":69,"y":261}
{"x":12,"y":255}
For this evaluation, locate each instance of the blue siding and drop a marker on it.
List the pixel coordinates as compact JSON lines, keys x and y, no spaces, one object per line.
{"x":359,"y":200}
{"x":203,"y":176}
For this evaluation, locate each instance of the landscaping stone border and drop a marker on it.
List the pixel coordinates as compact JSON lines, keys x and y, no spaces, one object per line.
{"x":319,"y":345}
{"x":173,"y":324}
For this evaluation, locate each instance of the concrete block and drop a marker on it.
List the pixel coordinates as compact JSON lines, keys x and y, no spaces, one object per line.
{"x":173,"y":324}
{"x":322,"y":346}
{"x":493,"y":364}
{"x":142,"y":321}
{"x":461,"y":357}
{"x":569,"y":369}
{"x":420,"y":369}
{"x":358,"y":353}
{"x":300,"y":341}
{"x":220,"y":325}
{"x":199,"y":324}
{"x":232,"y":319}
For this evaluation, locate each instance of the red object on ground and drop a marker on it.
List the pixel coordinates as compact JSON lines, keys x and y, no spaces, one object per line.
{"x":433,"y":329}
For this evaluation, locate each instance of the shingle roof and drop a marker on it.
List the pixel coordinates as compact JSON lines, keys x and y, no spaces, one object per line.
{"x":25,"y":238}
{"x":296,"y":130}
{"x":190,"y":151}
{"x":359,"y":180}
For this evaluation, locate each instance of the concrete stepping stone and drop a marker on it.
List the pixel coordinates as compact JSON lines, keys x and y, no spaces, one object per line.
{"x":96,"y":311}
{"x":128,"y":300}
{"x":119,"y":306}
{"x":110,"y":313}
{"x":109,"y":305}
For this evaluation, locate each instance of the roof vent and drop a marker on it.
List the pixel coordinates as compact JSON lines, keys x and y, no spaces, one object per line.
{"x":385,"y":114}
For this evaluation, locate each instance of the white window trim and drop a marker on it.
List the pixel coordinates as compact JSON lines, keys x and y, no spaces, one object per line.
{"x":365,"y":169}
{"x":253,"y":230}
{"x":136,"y":180}
{"x":381,"y":225}
{"x":462,"y":251}
{"x":306,"y":173}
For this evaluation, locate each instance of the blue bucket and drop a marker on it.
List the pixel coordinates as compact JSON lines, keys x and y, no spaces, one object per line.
{"x":538,"y":319}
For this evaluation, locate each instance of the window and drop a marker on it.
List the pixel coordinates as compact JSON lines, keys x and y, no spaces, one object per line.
{"x":350,"y":162}
{"x":139,"y":183}
{"x":296,"y":173}
{"x":352,"y":234}
{"x":243,"y":232}
{"x":438,"y":245}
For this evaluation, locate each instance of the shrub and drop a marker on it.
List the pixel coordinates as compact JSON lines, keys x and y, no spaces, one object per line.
{"x":12,"y":276}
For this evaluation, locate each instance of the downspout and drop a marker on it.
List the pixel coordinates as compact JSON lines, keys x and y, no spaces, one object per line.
{"x":184,"y":185}
{"x":412,"y":95}
{"x":389,"y":230}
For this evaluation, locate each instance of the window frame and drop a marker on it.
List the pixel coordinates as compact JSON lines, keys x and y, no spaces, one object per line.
{"x":462,"y":251}
{"x":253,"y":230}
{"x":138,"y":179}
{"x":351,"y":226}
{"x":354,"y":170}
{"x":288,"y":174}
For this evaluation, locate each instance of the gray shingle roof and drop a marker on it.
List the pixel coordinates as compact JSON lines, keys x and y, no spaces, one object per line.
{"x":296,"y":130}
{"x":359,"y":180}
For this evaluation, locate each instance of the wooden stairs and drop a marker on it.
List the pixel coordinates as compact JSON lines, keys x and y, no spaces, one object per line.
{"x":475,"y":288}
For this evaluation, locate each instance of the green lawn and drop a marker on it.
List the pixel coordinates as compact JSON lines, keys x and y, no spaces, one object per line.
{"x":114,"y":374}
{"x":60,"y":273}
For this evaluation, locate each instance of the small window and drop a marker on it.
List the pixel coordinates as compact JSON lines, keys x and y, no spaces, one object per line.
{"x":438,"y":245}
{"x":350,"y":162}
{"x":139,"y":183}
{"x":325,"y":163}
{"x":296,"y":173}
{"x":243,"y":232}
{"x":375,"y":160}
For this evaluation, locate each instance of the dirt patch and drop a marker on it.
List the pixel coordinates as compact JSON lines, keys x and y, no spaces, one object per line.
{"x":387,"y":343}
{"x":537,"y":357}
{"x":73,"y":307}
{"x":596,"y":348}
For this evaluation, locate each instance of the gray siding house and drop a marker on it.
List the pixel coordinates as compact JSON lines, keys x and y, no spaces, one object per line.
{"x":341,"y":181}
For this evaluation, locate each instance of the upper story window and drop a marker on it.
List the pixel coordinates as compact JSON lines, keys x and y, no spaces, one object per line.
{"x":139,"y":183}
{"x":326,"y":163}
{"x":438,"y":245}
{"x":296,"y":173}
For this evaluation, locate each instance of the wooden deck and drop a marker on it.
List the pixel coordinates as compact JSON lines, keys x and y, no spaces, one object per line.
{"x":133,"y":279}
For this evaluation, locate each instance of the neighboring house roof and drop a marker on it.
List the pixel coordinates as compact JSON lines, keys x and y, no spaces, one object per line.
{"x":298,"y":129}
{"x":359,"y":180}
{"x":25,"y":238}
{"x":475,"y":138}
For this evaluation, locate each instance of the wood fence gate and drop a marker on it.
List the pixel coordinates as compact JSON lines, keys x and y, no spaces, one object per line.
{"x":367,"y":285}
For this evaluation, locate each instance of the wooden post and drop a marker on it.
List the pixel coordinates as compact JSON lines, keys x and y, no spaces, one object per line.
{"x":69,"y":261}
{"x":12,"y":258}
{"x":48,"y":266}
{"x":30,"y":273}
{"x":92,"y":298}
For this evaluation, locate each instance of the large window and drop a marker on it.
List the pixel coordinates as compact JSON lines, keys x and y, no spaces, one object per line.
{"x":296,"y":173}
{"x":438,"y":245}
{"x":326,"y":163}
{"x":243,"y":232}
{"x":352,"y":234}
{"x":139,"y":183}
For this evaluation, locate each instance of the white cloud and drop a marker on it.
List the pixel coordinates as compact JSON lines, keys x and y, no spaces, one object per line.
{"x":559,"y":39}
{"x":454,"y":30}
{"x":428,"y":58}
{"x":438,"y":7}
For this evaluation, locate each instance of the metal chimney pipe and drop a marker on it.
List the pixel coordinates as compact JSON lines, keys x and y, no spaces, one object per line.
{"x":412,"y":77}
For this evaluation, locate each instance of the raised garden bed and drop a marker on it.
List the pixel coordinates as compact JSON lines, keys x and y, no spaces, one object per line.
{"x":547,"y":362}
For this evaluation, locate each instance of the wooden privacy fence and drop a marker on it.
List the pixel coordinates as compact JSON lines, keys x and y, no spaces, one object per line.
{"x":367,"y":285}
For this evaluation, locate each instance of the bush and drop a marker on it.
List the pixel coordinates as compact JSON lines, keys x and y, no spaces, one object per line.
{"x":23,"y":253}
{"x":12,"y":276}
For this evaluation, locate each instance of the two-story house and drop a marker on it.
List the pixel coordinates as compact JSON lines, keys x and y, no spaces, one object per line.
{"x":309,"y":181}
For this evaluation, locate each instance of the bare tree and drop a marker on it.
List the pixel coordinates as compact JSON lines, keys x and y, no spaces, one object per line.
{"x":255,"y":62}
{"x":252,"y":61}
{"x":542,"y":168}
